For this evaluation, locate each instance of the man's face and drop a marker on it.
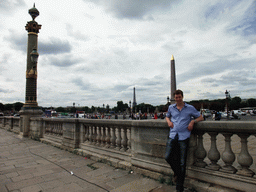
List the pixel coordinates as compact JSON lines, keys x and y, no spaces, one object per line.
{"x":178,"y":98}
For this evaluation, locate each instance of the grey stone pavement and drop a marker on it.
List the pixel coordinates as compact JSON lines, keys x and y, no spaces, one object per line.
{"x":31,"y":166}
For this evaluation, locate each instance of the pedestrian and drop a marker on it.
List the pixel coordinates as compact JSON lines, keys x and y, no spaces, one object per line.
{"x":179,"y":119}
{"x":155,"y":116}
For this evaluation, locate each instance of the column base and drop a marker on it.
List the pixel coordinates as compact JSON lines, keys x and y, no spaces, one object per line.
{"x":25,"y":114}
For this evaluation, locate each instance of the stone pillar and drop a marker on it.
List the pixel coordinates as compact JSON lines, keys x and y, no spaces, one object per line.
{"x":31,"y":109}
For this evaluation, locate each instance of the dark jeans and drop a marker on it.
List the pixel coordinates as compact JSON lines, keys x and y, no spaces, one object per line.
{"x":176,"y":156}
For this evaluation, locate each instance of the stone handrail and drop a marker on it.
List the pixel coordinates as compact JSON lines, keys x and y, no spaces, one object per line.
{"x":220,"y":153}
{"x":228,"y":156}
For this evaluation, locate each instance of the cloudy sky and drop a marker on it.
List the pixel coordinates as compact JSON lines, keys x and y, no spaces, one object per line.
{"x":93,"y":52}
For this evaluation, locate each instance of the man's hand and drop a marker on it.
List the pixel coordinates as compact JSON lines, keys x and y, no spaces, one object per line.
{"x":170,"y":124}
{"x":191,"y":125}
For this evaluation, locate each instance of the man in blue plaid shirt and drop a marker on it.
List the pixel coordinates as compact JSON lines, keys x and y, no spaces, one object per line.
{"x":181,"y":123}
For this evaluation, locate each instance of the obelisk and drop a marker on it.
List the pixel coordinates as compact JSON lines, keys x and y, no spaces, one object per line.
{"x":134,"y":104}
{"x":173,"y":80}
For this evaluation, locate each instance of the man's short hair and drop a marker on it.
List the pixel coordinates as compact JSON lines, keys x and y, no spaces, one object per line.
{"x":178,"y":92}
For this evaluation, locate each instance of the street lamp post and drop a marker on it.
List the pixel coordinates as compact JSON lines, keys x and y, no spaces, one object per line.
{"x":168,"y":101}
{"x":30,"y":108}
{"x":227,"y":97}
{"x":130,"y":109}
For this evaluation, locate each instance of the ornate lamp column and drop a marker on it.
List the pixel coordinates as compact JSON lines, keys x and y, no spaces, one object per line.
{"x":31,"y":107}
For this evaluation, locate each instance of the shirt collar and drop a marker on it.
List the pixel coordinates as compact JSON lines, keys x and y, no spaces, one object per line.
{"x":175,"y":105}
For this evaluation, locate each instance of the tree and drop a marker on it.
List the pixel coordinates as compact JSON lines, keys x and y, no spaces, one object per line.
{"x":86,"y":109}
{"x":93,"y":109}
{"x":121,"y":106}
{"x":146,"y":108}
{"x":251,"y":102}
{"x":17,"y":106}
{"x":235,"y":103}
{"x":60,"y":109}
{"x":72,"y":110}
{"x":1,"y":107}
{"x":107,"y":108}
{"x":8,"y":107}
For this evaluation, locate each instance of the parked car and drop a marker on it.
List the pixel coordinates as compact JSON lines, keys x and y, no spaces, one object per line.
{"x":224,"y":115}
{"x":243,"y":113}
{"x":206,"y":112}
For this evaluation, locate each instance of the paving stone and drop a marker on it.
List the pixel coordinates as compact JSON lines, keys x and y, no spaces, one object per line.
{"x":123,"y":180}
{"x":13,"y":174}
{"x":33,"y":188}
{"x":22,"y":177}
{"x":24,"y":183}
{"x":141,"y":185}
{"x":68,"y":187}
{"x":40,"y":173}
{"x":3,"y":188}
{"x":51,"y":184}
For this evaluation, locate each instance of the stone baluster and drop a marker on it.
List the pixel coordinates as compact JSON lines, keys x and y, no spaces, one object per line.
{"x":118,"y":138}
{"x":94,"y":135}
{"x":200,"y":152}
{"x":82,"y":133}
{"x":54,"y":128}
{"x":124,"y":139}
{"x":113,"y":138}
{"x":228,"y":157}
{"x":107,"y":129}
{"x":86,"y":133}
{"x":90,"y":133}
{"x":244,"y":158}
{"x":58,"y":129}
{"x":50,"y":128}
{"x":98,"y":137}
{"x":213,"y":154}
{"x":128,"y":140}
{"x":61,"y":131}
{"x":103,"y":136}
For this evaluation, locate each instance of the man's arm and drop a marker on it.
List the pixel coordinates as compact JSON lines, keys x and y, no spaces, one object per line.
{"x":170,"y":124}
{"x":191,"y":124}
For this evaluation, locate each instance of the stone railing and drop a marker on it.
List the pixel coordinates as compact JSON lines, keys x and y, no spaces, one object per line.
{"x":221,"y":153}
{"x":10,"y":123}
{"x":225,"y":152}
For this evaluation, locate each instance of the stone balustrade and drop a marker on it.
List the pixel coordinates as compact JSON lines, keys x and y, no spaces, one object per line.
{"x":225,"y":150}
{"x":221,"y":153}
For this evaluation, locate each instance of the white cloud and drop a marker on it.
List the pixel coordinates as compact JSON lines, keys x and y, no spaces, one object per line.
{"x":95,"y":52}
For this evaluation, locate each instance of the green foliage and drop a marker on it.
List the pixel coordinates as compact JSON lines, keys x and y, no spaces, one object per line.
{"x":91,"y":166}
{"x":60,"y":109}
{"x":72,"y":110}
{"x":235,"y":103}
{"x":251,"y":102}
{"x":146,"y":107}
{"x":8,"y":107}
{"x":169,"y":181}
{"x":1,"y":107}
{"x":93,"y":109}
{"x":86,"y":109}
{"x":121,"y":106}
{"x":161,"y":180}
{"x":17,"y":106}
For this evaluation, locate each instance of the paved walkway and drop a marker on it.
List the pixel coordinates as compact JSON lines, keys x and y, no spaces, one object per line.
{"x":30,"y":166}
